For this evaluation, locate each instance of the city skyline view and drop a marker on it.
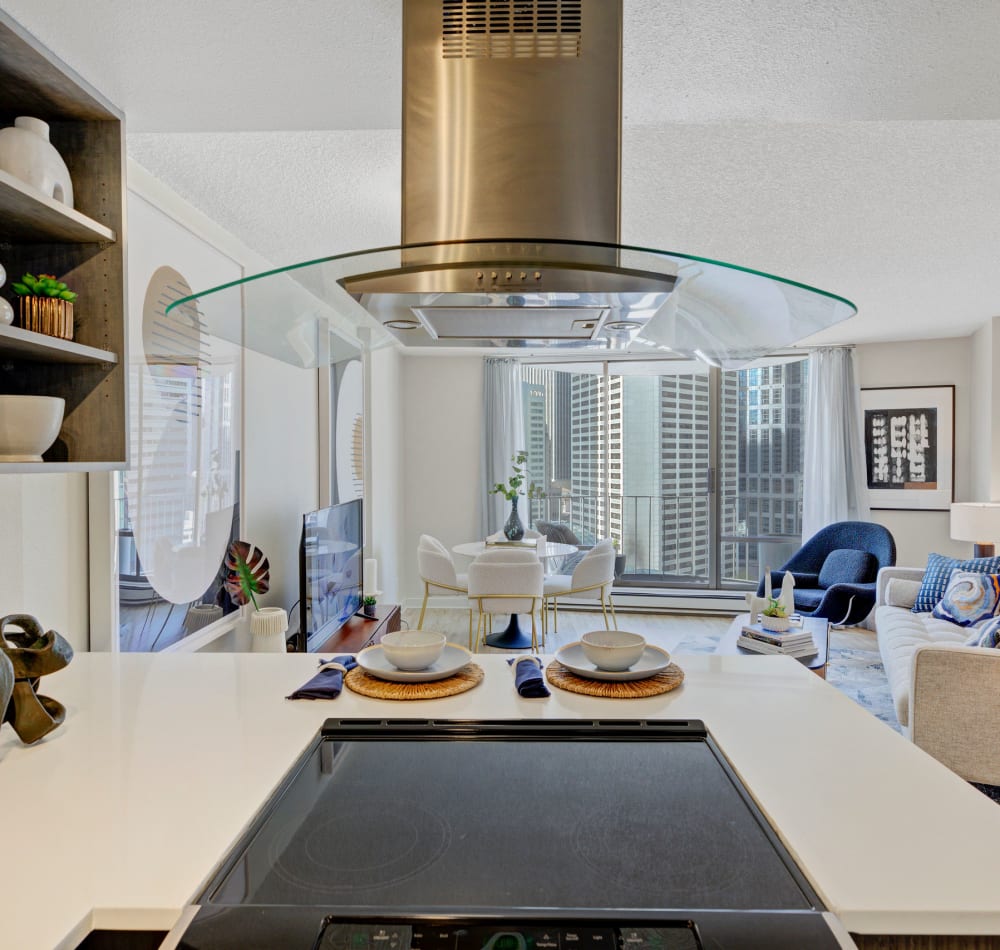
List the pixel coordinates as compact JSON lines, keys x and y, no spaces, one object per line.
{"x":695,"y":472}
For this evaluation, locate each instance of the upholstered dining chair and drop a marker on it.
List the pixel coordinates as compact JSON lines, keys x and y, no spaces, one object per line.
{"x":506,"y":581}
{"x":437,"y":571}
{"x":591,"y":579}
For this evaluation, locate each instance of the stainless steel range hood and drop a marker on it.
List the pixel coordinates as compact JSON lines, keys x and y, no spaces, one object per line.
{"x":511,"y":127}
{"x":510,"y":214}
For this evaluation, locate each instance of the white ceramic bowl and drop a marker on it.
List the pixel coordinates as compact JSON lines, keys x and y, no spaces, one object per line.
{"x":412,"y":649}
{"x":28,"y":426}
{"x":612,"y":650}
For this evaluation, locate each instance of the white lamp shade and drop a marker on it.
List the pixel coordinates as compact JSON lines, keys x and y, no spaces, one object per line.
{"x":977,"y":521}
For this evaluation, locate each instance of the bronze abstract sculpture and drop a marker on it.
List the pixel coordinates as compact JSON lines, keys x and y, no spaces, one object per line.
{"x":31,"y":654}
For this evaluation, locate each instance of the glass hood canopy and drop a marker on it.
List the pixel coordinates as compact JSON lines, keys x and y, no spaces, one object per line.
{"x":546,"y":296}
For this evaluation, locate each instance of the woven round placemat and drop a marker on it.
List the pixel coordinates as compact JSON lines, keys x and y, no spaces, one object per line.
{"x":669,"y":679}
{"x":466,"y":678}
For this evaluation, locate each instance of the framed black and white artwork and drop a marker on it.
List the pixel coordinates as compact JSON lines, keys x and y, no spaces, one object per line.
{"x":910,"y":446}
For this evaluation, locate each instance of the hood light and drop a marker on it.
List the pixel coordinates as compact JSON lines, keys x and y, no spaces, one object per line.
{"x":402,"y":324}
{"x":622,"y":325}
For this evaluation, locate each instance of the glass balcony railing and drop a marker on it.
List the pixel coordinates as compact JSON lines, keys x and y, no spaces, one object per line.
{"x":667,"y":540}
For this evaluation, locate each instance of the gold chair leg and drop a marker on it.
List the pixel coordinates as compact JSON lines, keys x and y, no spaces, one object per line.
{"x":555,"y":615}
{"x":423,"y":609}
{"x":470,"y":630}
{"x":534,"y":630}
{"x":604,"y":610}
{"x":614,"y":616}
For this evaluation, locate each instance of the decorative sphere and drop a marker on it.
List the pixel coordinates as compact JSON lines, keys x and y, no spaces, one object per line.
{"x":6,"y":310}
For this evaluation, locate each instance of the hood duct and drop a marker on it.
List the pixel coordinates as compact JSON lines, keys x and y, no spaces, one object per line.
{"x":511,"y":172}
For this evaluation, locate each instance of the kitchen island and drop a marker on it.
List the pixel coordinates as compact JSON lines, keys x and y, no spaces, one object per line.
{"x":119,"y":818}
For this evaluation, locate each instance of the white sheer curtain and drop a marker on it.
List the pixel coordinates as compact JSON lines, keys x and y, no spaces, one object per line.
{"x":503,"y":436}
{"x":835,"y":484}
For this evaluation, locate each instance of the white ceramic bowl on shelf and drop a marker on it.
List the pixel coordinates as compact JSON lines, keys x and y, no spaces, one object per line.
{"x":412,"y":649}
{"x":612,"y":650}
{"x":28,"y":426}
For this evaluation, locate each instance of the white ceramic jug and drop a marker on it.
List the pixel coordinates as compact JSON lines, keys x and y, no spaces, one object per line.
{"x":27,"y":154}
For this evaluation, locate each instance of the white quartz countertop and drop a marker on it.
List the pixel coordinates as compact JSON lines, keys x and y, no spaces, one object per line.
{"x":120,"y":816}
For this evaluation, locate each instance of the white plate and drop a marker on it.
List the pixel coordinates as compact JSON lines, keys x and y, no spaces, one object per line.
{"x":372,"y":660}
{"x":653,"y":660}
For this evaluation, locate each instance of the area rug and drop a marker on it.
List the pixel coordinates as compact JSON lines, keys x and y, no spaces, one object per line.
{"x":857,"y":673}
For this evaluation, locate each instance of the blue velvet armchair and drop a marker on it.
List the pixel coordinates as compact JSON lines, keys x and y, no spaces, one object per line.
{"x":835,"y":571}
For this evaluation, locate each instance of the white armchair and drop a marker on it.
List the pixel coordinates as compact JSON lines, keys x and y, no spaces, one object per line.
{"x":437,"y":571}
{"x":506,"y":581}
{"x":591,"y":579}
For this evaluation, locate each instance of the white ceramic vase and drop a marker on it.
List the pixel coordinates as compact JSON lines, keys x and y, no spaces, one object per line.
{"x":27,"y":154}
{"x":268,"y":626}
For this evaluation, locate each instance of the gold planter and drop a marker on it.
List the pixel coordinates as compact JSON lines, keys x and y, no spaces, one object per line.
{"x":48,"y":315}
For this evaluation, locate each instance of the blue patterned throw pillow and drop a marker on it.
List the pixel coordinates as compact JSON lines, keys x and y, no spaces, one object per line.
{"x":987,"y":635}
{"x":970,"y":598}
{"x":938,"y":573}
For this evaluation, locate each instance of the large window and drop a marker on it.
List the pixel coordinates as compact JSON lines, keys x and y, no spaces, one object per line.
{"x":696,"y":473}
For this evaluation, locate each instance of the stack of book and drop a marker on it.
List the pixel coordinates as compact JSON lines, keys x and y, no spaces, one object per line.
{"x":794,"y":642}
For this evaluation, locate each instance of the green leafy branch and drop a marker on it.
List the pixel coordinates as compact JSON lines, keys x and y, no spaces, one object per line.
{"x":44,"y":285}
{"x":512,"y":489}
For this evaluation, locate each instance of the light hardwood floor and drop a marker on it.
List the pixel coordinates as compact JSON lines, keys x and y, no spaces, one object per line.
{"x":662,"y":629}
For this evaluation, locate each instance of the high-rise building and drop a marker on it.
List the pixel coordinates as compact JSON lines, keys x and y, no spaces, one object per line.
{"x":640,"y":457}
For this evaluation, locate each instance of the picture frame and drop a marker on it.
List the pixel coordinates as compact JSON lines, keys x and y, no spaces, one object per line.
{"x":909,"y":436}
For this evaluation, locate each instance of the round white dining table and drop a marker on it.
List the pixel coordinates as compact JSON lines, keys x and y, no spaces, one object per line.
{"x":552,"y":549}
{"x":513,"y":637}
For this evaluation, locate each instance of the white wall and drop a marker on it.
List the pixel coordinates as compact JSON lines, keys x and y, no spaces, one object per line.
{"x":442,"y":481}
{"x":931,"y":363}
{"x":387,"y":466}
{"x":43,"y":554}
{"x":281,"y":466}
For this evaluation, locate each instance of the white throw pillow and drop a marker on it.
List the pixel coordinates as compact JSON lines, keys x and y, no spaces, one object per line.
{"x":900,"y":592}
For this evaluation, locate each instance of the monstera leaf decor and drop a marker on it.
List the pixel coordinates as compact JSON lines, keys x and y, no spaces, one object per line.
{"x":248,"y":572}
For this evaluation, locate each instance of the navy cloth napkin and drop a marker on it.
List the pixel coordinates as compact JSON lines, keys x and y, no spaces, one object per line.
{"x":528,"y":678}
{"x":328,"y":682}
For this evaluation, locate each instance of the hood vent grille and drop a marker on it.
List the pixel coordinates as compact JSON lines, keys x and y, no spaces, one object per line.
{"x":511,"y":29}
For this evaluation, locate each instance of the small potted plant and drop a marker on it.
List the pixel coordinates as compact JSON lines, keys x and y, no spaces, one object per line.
{"x":513,"y":530}
{"x":46,"y":305}
{"x":368,"y":605}
{"x":248,"y":573}
{"x":775,"y":617}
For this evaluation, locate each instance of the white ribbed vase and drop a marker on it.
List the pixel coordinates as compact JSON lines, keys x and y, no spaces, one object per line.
{"x":27,"y":154}
{"x":268,"y":626}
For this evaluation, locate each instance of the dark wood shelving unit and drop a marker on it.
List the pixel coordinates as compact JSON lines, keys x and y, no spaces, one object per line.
{"x":83,"y":245}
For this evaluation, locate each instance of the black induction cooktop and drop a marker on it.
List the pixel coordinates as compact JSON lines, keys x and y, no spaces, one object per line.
{"x":433,"y":835}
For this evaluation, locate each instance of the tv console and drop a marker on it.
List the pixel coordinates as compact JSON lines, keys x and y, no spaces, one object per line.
{"x":359,"y":632}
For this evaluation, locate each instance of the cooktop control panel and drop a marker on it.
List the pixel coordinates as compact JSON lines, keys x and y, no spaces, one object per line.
{"x":342,"y":935}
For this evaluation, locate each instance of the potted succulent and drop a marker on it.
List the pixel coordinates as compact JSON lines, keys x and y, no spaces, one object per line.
{"x":368,"y":605}
{"x":513,"y":530}
{"x":46,"y":305}
{"x":775,"y":617}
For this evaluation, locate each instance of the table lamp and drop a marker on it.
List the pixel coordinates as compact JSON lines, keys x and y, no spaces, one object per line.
{"x":976,"y":521}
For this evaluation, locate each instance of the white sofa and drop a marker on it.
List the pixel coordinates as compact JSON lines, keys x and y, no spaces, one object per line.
{"x":947,"y":696}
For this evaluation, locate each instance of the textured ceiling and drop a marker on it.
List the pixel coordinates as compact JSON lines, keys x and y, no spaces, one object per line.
{"x":851,"y":146}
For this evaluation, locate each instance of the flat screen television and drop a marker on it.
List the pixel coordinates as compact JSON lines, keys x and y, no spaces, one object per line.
{"x":329,"y":572}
